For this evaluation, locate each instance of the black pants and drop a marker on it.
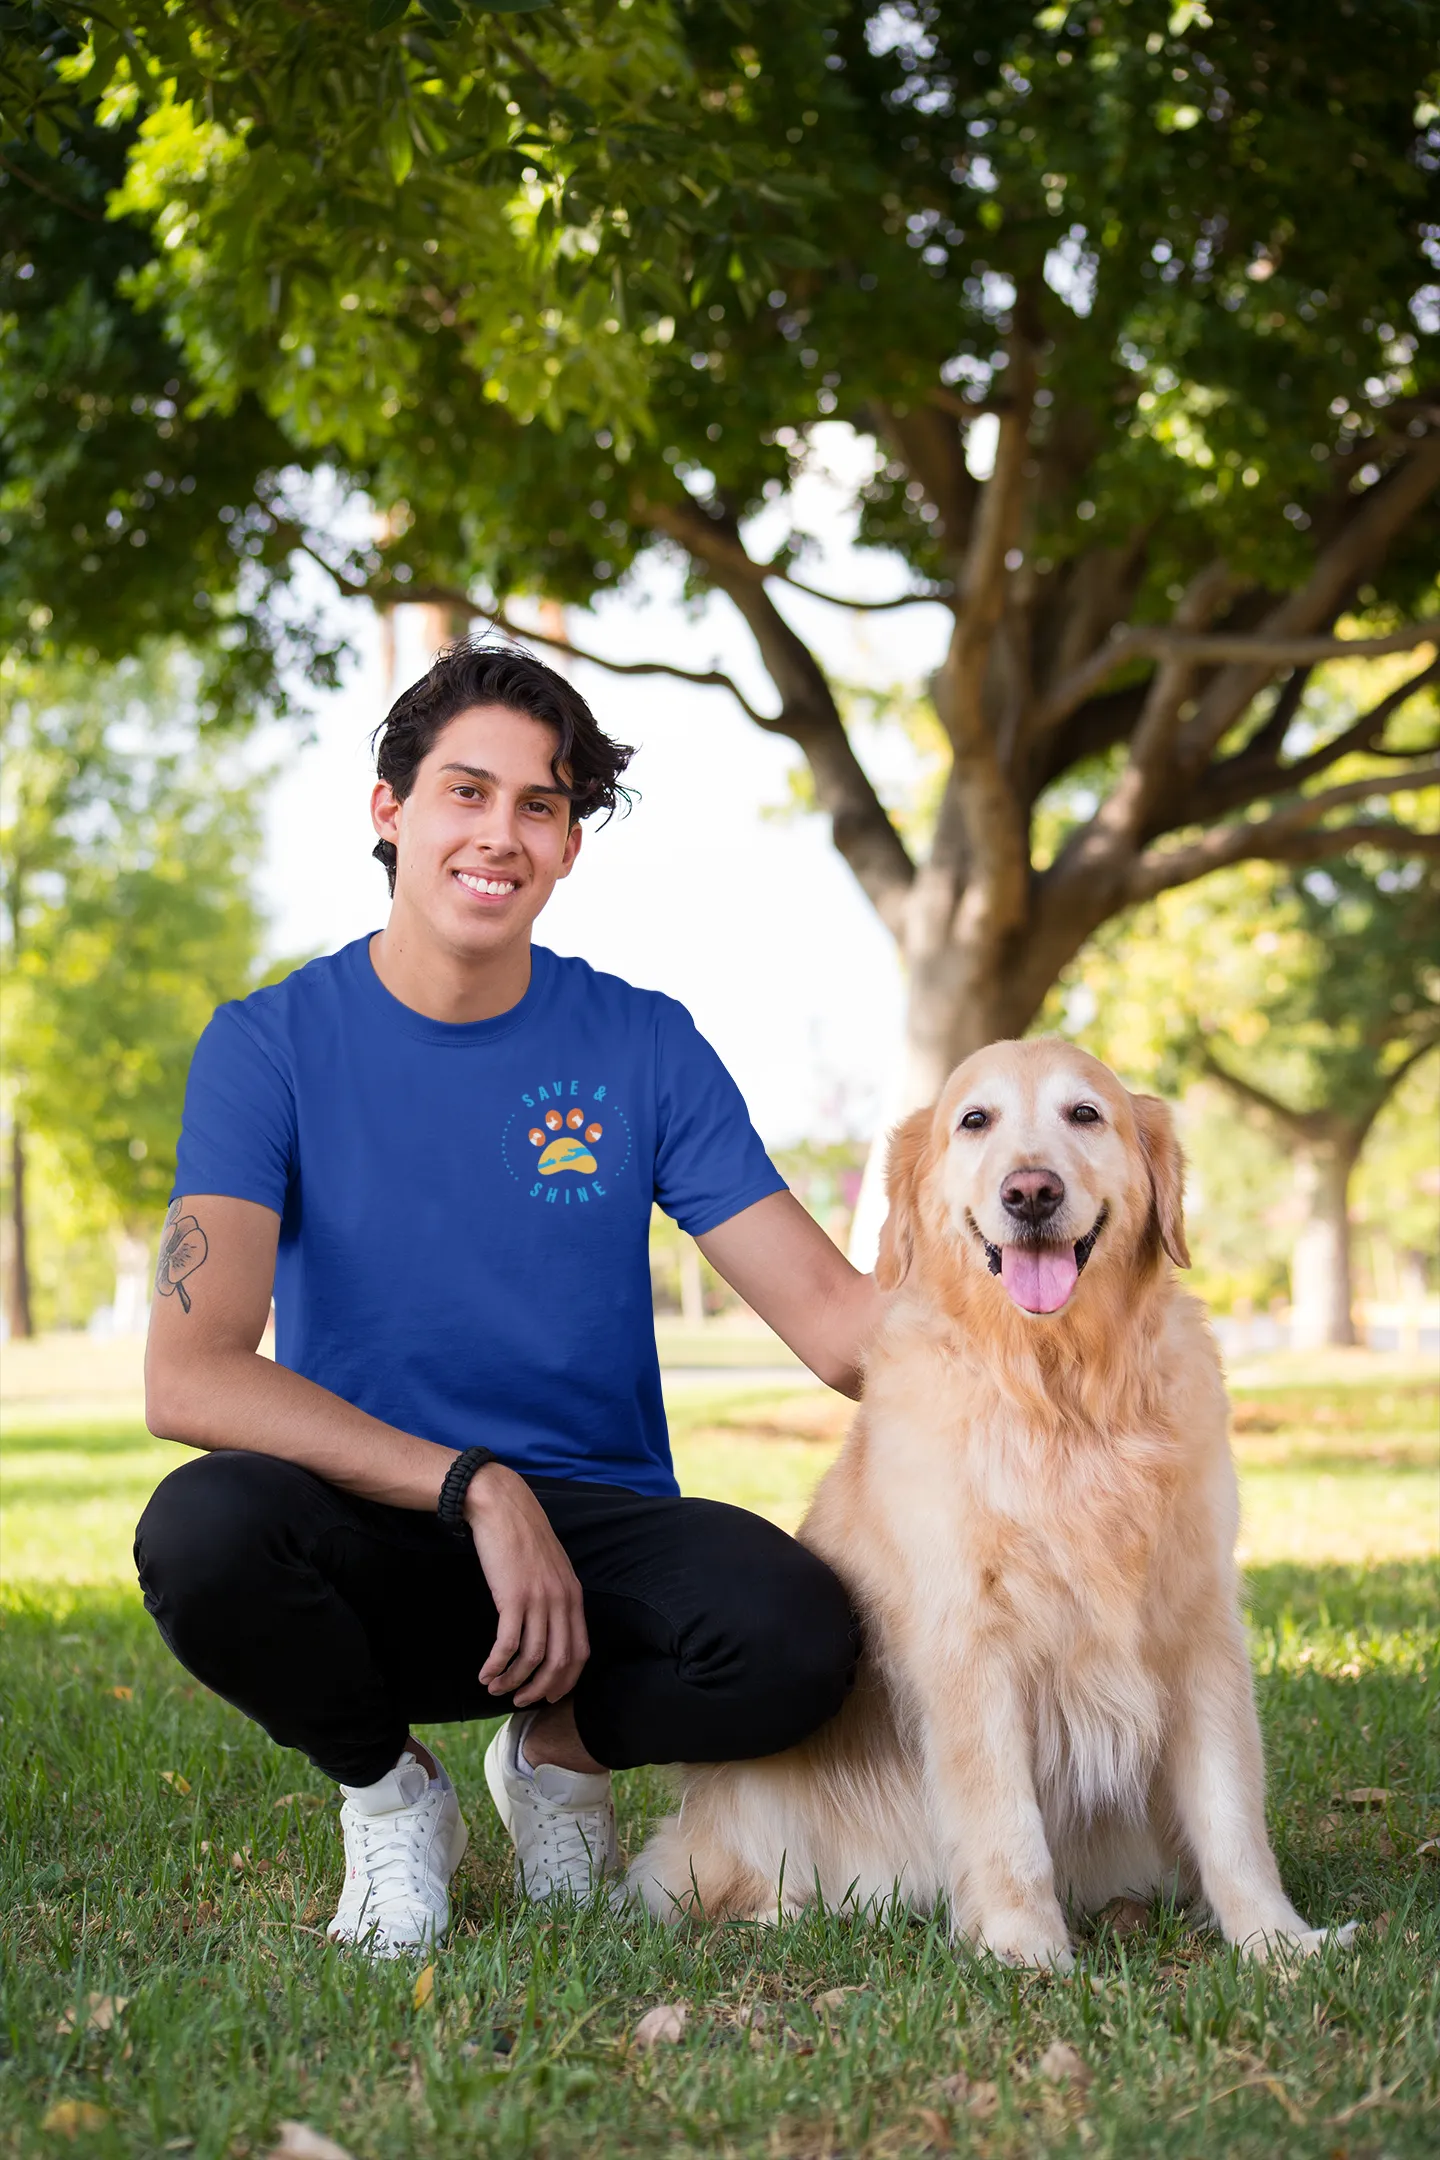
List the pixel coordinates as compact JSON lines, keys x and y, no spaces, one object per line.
{"x":337,"y":1623}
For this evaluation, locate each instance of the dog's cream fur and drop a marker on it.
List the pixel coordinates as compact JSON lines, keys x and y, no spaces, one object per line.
{"x":1036,"y":1517}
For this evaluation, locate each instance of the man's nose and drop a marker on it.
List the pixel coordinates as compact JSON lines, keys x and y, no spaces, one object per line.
{"x":496,"y":832}
{"x":1032,"y":1196}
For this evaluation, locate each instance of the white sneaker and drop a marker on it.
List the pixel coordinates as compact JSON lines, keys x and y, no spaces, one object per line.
{"x":404,"y":1839}
{"x":561,"y":1822}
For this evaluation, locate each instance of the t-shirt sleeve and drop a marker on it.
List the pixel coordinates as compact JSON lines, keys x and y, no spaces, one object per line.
{"x":709,"y":1160}
{"x":238,"y":1133}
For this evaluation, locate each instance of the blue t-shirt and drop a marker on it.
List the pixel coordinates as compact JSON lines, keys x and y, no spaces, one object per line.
{"x":465,"y":1210}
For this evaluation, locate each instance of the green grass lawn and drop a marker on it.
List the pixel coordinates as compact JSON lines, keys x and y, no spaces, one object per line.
{"x":157,"y":1849}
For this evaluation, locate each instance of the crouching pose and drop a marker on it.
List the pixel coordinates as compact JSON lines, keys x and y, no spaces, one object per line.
{"x":1036,"y":1511}
{"x":450,"y":1494}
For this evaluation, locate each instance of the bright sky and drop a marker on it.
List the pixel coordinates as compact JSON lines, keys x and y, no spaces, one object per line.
{"x":755,"y":924}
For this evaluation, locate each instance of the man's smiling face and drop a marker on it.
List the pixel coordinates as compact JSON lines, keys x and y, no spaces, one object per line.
{"x":482,"y":836}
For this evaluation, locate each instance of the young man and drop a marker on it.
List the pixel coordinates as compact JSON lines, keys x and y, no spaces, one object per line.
{"x":451,"y":1493}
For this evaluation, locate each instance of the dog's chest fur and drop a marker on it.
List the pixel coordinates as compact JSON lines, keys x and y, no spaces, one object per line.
{"x":1034,"y":1549}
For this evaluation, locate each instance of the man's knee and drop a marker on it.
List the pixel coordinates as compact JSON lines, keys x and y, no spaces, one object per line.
{"x":783,"y":1648}
{"x":206,"y":1526}
{"x":806,"y":1638}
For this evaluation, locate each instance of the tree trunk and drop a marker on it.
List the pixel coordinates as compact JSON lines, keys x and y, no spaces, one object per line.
{"x":692,"y":1284}
{"x":22,"y":1325}
{"x":1320,"y":1279}
{"x":133,"y":1278}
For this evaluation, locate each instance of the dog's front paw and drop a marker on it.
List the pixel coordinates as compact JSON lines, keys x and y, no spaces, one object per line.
{"x":1275,"y":1945}
{"x":1023,"y":1940}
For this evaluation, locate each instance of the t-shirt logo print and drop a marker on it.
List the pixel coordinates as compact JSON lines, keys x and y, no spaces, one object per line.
{"x":567,"y":1142}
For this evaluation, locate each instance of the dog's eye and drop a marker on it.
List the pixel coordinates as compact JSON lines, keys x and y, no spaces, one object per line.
{"x":975,"y":1121}
{"x":1085,"y":1113}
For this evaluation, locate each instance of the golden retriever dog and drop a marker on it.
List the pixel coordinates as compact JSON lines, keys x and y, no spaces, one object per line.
{"x":1035,"y":1513}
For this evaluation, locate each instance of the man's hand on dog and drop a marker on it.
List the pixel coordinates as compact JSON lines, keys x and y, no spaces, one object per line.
{"x":540,"y":1644}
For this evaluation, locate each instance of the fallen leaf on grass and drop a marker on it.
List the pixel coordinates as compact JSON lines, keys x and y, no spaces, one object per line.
{"x":297,"y":2141}
{"x":660,"y":2026}
{"x":307,"y":1800}
{"x":935,"y":2135}
{"x":70,"y":2117}
{"x":1430,"y":1850}
{"x":979,"y":2097}
{"x":101,"y":2012}
{"x":173,"y":1777}
{"x":1362,"y":1796}
{"x":836,"y":1998}
{"x":123,"y":1694}
{"x":1064,"y":2065}
{"x":424,"y":1988}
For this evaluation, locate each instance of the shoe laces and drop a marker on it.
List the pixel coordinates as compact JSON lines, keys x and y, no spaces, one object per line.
{"x":391,"y":1846}
{"x":575,"y":1838}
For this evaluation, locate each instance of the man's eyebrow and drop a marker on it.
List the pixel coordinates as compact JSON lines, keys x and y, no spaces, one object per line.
{"x":478,"y":772}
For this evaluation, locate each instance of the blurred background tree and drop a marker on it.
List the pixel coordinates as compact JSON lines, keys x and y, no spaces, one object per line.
{"x":1131,"y":311}
{"x":127,"y":850}
{"x":1307,"y":1000}
{"x":1142,"y":416}
{"x":1352,"y":1016}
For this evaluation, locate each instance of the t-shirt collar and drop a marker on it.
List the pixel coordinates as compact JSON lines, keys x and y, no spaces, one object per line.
{"x":392,"y":1013}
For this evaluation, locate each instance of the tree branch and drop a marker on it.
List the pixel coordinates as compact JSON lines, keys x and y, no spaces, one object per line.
{"x":1307,"y":1127}
{"x":1245,"y":778}
{"x":933,"y":448}
{"x":720,"y":547}
{"x":1359,"y":545}
{"x":1126,"y":815}
{"x":705,"y":679}
{"x":996,"y":851}
{"x":1302,"y":1126}
{"x":963,"y":408}
{"x":941,"y":595}
{"x":1262,"y":647}
{"x":808,"y":714}
{"x":1289,"y":836}
{"x":65,"y":202}
{"x":1391,"y":1080}
{"x":1127,"y":643}
{"x":393,"y":594}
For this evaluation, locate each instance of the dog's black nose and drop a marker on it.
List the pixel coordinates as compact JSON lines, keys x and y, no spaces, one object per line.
{"x":1032,"y":1196}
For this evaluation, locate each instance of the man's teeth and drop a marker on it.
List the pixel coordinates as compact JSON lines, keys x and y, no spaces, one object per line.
{"x":486,"y":885}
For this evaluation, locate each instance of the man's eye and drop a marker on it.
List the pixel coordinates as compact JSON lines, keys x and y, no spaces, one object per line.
{"x":975,"y":1121}
{"x":1085,"y":1113}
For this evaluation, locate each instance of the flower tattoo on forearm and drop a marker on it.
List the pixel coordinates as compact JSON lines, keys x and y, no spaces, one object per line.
{"x":183,"y":1247}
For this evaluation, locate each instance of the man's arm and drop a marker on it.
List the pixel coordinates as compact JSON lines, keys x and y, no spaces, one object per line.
{"x":797,"y":1279}
{"x":207,"y":1385}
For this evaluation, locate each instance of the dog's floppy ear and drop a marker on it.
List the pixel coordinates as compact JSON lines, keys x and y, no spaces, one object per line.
{"x":1162,"y":1154}
{"x":902,"y":1176}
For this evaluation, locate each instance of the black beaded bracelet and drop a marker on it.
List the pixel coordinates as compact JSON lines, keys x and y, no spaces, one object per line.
{"x":450,"y":1507}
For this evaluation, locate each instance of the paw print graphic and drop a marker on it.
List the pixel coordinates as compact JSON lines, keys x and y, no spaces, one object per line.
{"x":566,"y":1141}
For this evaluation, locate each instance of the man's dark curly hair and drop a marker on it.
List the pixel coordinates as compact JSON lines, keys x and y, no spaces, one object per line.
{"x":587,"y":764}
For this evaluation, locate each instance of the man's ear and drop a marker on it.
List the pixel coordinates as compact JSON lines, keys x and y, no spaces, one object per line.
{"x":385,"y":811}
{"x":572,"y":849}
{"x":1161,"y":1149}
{"x":902,"y":1186}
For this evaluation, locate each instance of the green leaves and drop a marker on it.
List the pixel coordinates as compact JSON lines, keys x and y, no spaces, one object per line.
{"x":126,"y":879}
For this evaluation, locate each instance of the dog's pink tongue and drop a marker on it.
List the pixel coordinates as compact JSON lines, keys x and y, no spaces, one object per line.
{"x":1039,"y":1278}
